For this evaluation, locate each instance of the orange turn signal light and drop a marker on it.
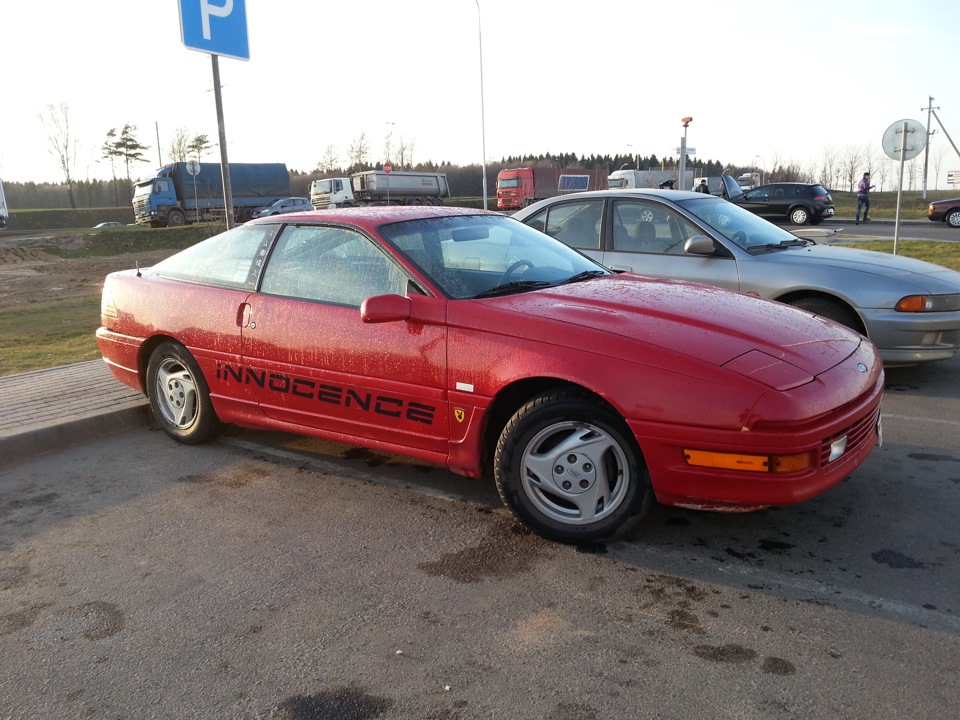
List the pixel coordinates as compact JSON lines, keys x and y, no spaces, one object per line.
{"x":749,"y":463}
{"x":912,"y":303}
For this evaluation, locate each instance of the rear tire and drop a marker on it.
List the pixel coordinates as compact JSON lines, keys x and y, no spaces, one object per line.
{"x":179,"y":395}
{"x":568,"y":467}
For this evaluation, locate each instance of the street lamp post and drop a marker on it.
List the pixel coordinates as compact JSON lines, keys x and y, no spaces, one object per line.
{"x":763,"y":166}
{"x":681,"y":180}
{"x":483,"y":129}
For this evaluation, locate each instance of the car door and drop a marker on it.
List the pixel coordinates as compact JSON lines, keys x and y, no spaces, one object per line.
{"x":313,"y":361}
{"x":759,"y":200}
{"x":650,"y":238}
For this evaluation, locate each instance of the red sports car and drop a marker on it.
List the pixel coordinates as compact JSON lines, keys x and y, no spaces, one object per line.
{"x":470,"y":340}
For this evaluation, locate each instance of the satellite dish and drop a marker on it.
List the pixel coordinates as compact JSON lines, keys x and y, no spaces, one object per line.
{"x":193,"y":167}
{"x":907,"y":135}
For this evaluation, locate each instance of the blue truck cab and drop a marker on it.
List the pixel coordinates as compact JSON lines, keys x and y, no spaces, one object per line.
{"x":175,"y":197}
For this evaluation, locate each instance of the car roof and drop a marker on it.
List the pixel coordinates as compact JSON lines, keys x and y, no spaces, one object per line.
{"x":372,"y":216}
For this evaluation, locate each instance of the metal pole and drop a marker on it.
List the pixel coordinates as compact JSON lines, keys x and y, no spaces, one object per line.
{"x":483,"y":126}
{"x":683,"y":159}
{"x":926,"y":149}
{"x":903,"y":151}
{"x":224,"y":163}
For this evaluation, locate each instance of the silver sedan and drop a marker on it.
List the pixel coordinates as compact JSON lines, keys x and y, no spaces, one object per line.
{"x":910,"y":309}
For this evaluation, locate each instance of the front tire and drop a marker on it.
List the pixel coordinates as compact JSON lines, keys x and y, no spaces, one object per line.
{"x":832,"y":310}
{"x":179,"y":395}
{"x":176,"y":218}
{"x":567,"y":466}
{"x":953,"y":218}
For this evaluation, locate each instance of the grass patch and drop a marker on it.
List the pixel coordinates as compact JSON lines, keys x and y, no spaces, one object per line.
{"x":126,"y":240}
{"x":41,"y":336}
{"x":946,"y":254}
{"x":884,"y":204}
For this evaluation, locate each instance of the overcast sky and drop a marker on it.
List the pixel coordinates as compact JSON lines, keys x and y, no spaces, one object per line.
{"x":776,"y":80}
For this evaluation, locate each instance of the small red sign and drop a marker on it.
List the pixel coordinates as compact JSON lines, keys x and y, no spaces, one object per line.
{"x":387,"y":168}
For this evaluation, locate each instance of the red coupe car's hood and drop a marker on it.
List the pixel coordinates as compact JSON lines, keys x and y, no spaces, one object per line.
{"x":713,"y":325}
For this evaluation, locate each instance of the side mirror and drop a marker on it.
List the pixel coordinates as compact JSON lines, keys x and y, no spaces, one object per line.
{"x":699,"y":245}
{"x":385,"y":308}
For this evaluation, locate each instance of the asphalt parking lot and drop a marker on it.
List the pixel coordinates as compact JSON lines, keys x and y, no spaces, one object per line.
{"x":265,"y":575}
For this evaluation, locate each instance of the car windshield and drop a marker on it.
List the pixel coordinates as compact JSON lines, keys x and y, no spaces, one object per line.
{"x":470,"y":256}
{"x":739,"y":226}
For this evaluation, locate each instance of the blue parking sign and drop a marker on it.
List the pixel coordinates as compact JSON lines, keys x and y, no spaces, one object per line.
{"x":218,"y":27}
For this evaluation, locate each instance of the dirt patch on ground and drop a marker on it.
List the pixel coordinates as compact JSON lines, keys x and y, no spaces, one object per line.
{"x":30,"y":275}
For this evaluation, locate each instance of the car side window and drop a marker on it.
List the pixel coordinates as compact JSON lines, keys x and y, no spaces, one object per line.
{"x":640,"y":226}
{"x":330,"y":264}
{"x":576,"y":224}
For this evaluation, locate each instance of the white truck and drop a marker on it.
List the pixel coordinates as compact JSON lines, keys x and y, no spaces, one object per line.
{"x":376,"y":187}
{"x":624,"y":179}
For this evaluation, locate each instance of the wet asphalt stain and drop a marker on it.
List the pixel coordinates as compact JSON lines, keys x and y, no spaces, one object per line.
{"x":933,"y":457}
{"x":739,"y":655}
{"x":13,"y":575}
{"x":91,"y":621}
{"x":508,"y":550}
{"x":573,"y":711}
{"x":775,"y":546}
{"x":375,"y":459}
{"x":898,"y":561}
{"x":677,"y":598}
{"x":233,"y":478}
{"x":338,"y":704}
{"x":33,"y":501}
{"x":11,"y":622}
{"x":777,"y":666}
{"x":731,"y":653}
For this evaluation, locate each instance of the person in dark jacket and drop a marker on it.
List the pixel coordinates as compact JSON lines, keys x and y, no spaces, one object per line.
{"x":863,"y":197}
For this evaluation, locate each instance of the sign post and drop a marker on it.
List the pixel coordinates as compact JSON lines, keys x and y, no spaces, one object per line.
{"x":217,"y":28}
{"x":388,"y":168}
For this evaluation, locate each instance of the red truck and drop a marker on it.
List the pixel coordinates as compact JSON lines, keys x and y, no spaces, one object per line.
{"x":523,"y":186}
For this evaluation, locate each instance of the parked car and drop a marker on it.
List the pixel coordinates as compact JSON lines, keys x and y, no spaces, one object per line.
{"x":283,"y":205}
{"x":467,"y":339}
{"x":947,"y":211}
{"x":108,"y":224}
{"x":910,"y":309}
{"x":800,"y":203}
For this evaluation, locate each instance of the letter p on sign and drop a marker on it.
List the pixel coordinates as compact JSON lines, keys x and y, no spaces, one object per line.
{"x":207,"y":9}
{"x":217,"y":27}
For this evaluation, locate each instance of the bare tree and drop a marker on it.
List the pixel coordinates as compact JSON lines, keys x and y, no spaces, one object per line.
{"x":828,"y":167}
{"x":388,"y":148}
{"x":358,"y":152}
{"x":937,"y":162}
{"x":851,"y":161}
{"x":405,"y":153}
{"x":56,"y":122}
{"x":330,"y":160}
{"x":180,"y":146}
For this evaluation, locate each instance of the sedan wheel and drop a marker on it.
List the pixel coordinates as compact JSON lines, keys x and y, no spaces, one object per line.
{"x":179,"y":396}
{"x":568,"y":468}
{"x":953,"y":218}
{"x":799,"y":216}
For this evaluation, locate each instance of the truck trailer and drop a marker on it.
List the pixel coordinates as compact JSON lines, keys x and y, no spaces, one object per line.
{"x":520,"y":187}
{"x":175,"y":197}
{"x":376,"y":187}
{"x":625,"y":179}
